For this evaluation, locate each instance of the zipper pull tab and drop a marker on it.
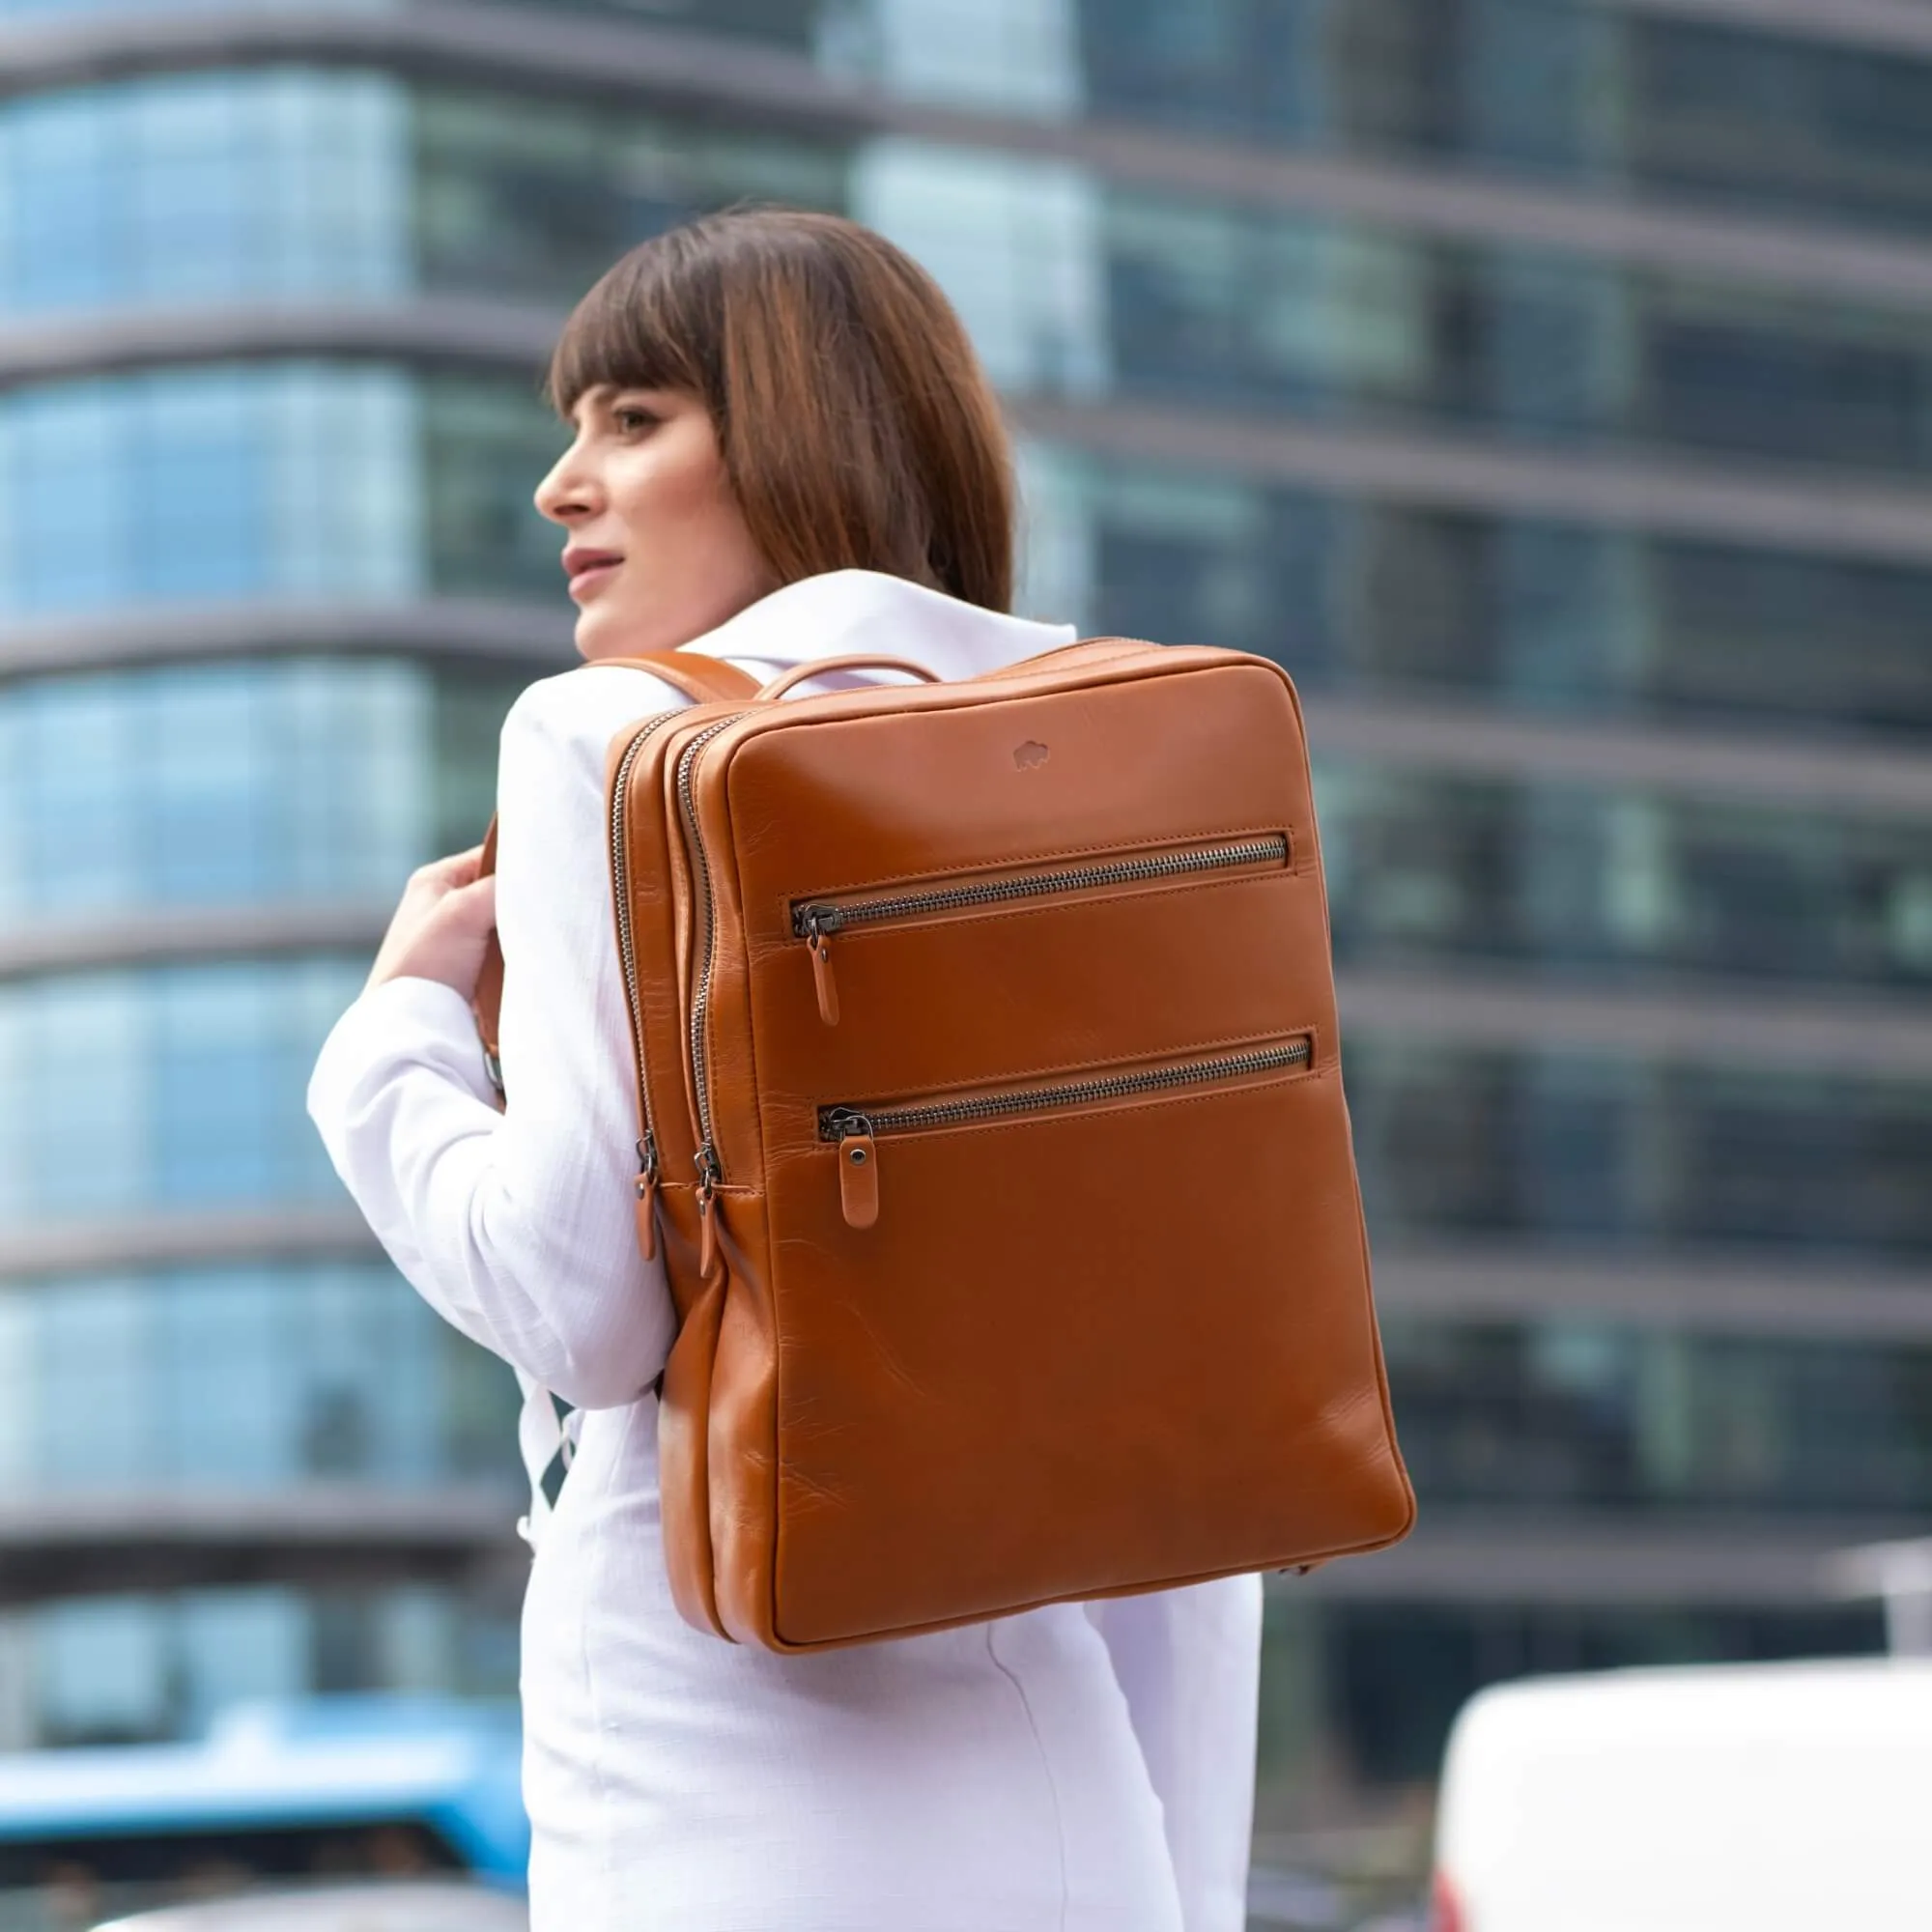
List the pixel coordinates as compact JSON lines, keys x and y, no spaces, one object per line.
{"x":647,"y":1198}
{"x":709,"y":1174}
{"x":819,"y":924}
{"x":857,"y":1170}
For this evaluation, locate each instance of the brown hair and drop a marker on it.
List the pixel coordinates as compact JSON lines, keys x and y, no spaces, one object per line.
{"x":857,"y":426}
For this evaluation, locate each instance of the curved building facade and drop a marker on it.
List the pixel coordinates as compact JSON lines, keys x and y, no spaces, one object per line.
{"x":1545,"y":383}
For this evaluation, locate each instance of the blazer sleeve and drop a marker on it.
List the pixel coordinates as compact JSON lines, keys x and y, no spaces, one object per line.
{"x":517,"y":1226}
{"x":1188,"y":1664}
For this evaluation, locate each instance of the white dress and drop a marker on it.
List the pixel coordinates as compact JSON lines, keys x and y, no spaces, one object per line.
{"x":1076,"y":1769}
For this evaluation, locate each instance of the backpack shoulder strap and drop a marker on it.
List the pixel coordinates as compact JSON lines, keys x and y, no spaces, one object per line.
{"x":703,"y":680}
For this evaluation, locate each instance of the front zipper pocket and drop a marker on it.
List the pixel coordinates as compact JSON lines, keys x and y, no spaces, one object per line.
{"x":857,"y":1132}
{"x":816,"y":920}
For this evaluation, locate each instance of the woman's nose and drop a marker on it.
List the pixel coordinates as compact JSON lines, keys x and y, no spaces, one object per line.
{"x":569,"y":491}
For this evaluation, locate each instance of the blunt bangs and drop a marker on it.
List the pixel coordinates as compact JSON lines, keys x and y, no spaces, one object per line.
{"x":640,"y":327}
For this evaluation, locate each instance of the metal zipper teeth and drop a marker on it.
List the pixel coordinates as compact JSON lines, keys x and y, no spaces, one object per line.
{"x":1116,"y":872}
{"x":626,"y":944}
{"x":833,"y":1121}
{"x":701,"y":1003}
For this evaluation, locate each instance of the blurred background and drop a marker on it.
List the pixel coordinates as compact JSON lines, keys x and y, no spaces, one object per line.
{"x":1548,"y":384}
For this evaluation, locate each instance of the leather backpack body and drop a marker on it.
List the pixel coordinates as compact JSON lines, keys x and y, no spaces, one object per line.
{"x":991,"y":1130}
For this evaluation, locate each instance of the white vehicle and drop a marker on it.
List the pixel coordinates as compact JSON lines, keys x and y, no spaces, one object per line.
{"x":1734,"y":1798}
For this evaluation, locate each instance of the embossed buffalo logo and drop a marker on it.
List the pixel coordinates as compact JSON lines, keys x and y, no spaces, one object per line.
{"x":1030,"y":754}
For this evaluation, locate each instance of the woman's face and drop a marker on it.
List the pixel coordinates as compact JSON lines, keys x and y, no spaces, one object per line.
{"x":656,"y":550}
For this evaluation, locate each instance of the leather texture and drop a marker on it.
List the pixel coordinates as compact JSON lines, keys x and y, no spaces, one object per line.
{"x":1072,"y":1299}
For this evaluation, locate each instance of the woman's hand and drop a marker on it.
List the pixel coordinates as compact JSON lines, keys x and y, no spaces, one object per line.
{"x":441,"y":926}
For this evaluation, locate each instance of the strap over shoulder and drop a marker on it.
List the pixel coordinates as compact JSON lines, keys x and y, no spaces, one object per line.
{"x":702,"y":679}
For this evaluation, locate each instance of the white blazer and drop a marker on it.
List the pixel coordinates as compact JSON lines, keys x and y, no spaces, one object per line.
{"x":1076,"y":1769}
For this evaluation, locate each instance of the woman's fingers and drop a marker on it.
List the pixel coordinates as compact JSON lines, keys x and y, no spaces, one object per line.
{"x":456,"y":869}
{"x":453,"y":939}
{"x":473,"y":908}
{"x":439,"y":930}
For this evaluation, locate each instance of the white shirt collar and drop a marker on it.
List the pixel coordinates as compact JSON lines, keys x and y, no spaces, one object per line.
{"x":846,"y":611}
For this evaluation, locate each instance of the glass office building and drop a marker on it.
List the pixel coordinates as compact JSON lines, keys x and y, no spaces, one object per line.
{"x":1547,"y":386}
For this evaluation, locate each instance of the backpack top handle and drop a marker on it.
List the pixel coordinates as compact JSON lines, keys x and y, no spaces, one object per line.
{"x":865,"y":661}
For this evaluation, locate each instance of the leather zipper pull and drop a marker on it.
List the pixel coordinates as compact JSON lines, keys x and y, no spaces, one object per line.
{"x":858,"y":1171}
{"x":818,"y":923}
{"x":707,"y":1213}
{"x":707,"y":1236}
{"x":647,"y":1198}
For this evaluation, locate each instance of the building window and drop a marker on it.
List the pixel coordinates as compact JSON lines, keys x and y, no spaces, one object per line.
{"x":298,"y":481}
{"x":1421,"y":867}
{"x":165,"y":1087}
{"x":246,"y":1377}
{"x":1370,"y":596}
{"x":1556,"y":1413}
{"x":215,"y":784}
{"x":1628,"y":1155}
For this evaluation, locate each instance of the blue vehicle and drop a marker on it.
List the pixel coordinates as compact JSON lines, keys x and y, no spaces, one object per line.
{"x":332,"y":1789}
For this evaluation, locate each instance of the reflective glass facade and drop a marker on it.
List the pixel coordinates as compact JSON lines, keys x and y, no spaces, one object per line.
{"x":246,"y":1378}
{"x":1550,"y":87}
{"x":1561,"y":1413}
{"x":352,"y":184}
{"x":1146,"y":295}
{"x":299,"y":481}
{"x":1581,"y":94}
{"x":1533,"y":612}
{"x":1565,"y":92}
{"x":218,"y":784}
{"x":1631,"y":1153}
{"x":1148,"y":321}
{"x":537,"y":198}
{"x":283,"y":786}
{"x":195,"y":186}
{"x":134,"y":1089}
{"x":373,"y":483}
{"x":1348,"y":323}
{"x":1420,"y":865}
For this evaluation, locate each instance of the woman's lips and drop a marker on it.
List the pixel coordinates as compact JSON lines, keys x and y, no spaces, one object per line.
{"x":592,"y":574}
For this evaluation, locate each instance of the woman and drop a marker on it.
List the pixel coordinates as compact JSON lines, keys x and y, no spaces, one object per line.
{"x":784,"y":451}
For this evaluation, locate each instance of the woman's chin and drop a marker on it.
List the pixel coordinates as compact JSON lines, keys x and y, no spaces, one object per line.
{"x":602,"y":633}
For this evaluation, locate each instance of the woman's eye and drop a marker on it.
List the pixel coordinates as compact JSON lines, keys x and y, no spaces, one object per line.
{"x":630,"y":421}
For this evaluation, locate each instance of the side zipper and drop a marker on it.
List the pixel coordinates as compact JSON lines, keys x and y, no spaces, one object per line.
{"x":647,"y":1147}
{"x":816,"y":921}
{"x":858,"y":1131}
{"x":710,"y":1174}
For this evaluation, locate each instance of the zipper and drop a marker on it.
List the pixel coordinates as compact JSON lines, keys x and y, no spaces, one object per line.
{"x":710,"y":1172}
{"x":647,"y":1147}
{"x":857,"y":1130}
{"x":816,"y":920}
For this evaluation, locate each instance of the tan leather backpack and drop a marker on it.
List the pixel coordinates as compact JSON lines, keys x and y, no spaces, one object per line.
{"x":990,"y":1125}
